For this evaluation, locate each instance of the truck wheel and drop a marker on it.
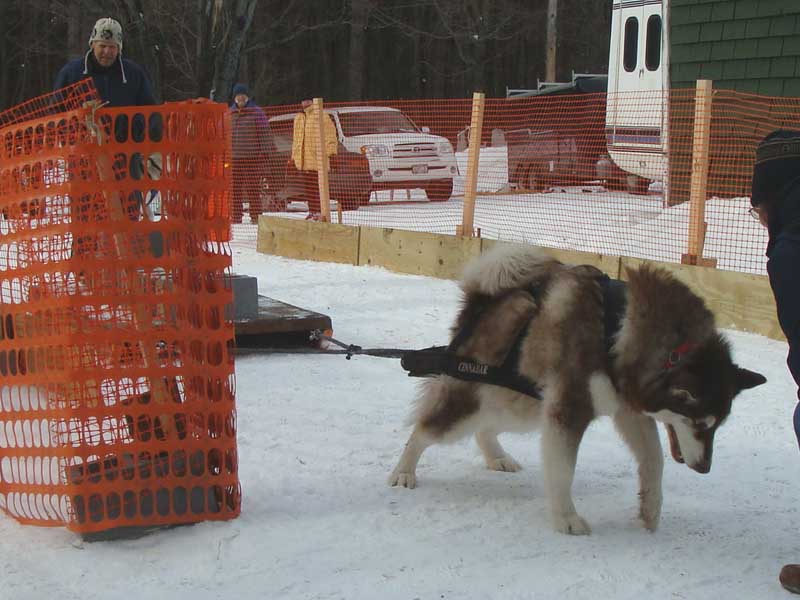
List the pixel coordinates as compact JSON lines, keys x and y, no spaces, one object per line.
{"x":637,"y":185}
{"x":349,"y":203}
{"x":272,"y":203}
{"x":532,"y":182}
{"x":615,"y":185}
{"x":352,"y":200}
{"x":439,"y":191}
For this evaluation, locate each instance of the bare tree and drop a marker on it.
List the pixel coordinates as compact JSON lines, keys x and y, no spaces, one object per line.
{"x":223,"y":29}
{"x":583,"y":36}
{"x":359,"y":14}
{"x":144,"y":38}
{"x":467,"y":40}
{"x":287,"y":50}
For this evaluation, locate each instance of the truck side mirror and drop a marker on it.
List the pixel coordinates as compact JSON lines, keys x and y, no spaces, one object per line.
{"x":462,"y":140}
{"x":498,"y":138}
{"x":425,"y":129}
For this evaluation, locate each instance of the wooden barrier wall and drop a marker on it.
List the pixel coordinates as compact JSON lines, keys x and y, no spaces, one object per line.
{"x":738,"y":300}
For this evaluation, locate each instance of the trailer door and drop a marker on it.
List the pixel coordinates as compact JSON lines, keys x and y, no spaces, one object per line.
{"x":636,"y":108}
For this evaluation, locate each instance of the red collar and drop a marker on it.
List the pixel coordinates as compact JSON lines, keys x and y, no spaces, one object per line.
{"x":677,"y":354}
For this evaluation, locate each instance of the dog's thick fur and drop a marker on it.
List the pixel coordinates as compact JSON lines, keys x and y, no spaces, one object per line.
{"x":668,"y":363}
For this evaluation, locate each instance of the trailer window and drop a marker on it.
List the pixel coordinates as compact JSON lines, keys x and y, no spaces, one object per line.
{"x":630,"y":56}
{"x":652,"y":53}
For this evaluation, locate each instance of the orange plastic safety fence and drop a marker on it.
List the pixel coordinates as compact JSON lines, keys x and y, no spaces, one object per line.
{"x":116,"y":366}
{"x":607,"y":173}
{"x":68,"y":98}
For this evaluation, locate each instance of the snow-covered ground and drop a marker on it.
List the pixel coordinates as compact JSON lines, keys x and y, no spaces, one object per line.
{"x":318,"y":436}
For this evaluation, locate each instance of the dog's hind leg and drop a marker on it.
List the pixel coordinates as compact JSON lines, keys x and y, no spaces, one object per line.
{"x":444,"y":412}
{"x":559,"y":456}
{"x":641,"y":435}
{"x":496,"y":458}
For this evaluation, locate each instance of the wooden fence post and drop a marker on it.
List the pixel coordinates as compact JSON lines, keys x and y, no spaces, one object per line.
{"x":322,"y":164}
{"x":473,"y":159}
{"x":699,"y":180}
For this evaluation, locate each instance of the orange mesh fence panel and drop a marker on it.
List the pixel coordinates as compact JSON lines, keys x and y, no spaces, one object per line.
{"x":738,"y":122}
{"x":68,"y":98}
{"x":116,"y":365}
{"x":603,"y":173}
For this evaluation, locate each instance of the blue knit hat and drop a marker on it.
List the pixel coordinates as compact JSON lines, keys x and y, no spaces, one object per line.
{"x":241,"y":88}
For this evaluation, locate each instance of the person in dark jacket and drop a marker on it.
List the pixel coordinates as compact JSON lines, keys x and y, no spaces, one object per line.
{"x":251,"y":147}
{"x":119,"y":81}
{"x":776,"y":203}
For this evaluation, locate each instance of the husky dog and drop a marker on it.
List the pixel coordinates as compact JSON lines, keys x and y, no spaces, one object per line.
{"x":662,"y":359}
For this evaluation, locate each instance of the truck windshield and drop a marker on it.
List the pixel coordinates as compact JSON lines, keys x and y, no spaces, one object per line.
{"x":375,"y":121}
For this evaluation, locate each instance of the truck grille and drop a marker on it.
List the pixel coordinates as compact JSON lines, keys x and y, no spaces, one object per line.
{"x":415,"y":151}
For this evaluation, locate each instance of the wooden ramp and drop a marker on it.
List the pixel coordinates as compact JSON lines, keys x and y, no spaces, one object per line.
{"x":278,"y":324}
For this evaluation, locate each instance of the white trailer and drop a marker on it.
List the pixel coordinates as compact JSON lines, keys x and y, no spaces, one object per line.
{"x":638,"y":85}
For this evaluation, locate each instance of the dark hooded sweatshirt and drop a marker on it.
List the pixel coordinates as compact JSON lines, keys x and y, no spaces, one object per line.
{"x":776,"y":188}
{"x":124,"y":83}
{"x":783,"y":266}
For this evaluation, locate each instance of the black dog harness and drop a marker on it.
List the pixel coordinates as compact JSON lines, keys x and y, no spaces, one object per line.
{"x":444,"y":360}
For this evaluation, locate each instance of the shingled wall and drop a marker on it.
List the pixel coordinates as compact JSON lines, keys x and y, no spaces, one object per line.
{"x":744,"y":45}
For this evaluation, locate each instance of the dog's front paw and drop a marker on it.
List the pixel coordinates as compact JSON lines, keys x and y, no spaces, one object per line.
{"x":506,"y":463}
{"x":572,"y":524}
{"x":650,"y":510}
{"x":401,"y":479}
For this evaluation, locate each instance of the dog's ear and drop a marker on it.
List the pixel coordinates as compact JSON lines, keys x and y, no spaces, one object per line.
{"x":746,"y":379}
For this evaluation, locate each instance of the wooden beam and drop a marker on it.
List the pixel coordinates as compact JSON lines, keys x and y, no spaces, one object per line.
{"x":322,"y":163}
{"x":417,"y":252}
{"x":699,"y":181}
{"x":738,"y":300}
{"x":473,"y":162}
{"x":308,"y":240}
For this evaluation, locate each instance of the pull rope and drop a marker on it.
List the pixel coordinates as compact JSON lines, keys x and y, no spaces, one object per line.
{"x":348,"y":350}
{"x":428,"y":362}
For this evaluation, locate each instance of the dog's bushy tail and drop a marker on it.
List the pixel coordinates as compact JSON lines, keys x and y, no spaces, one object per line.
{"x":506,"y":267}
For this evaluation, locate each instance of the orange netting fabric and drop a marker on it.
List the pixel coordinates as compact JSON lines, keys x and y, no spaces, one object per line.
{"x":597,"y":172}
{"x":116,"y":343}
{"x":68,"y":98}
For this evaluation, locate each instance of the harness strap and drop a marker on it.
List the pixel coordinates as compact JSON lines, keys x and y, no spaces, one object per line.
{"x":444,"y":360}
{"x":440,"y":360}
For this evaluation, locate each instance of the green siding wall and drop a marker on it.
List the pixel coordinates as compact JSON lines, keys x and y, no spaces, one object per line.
{"x":745,"y":45}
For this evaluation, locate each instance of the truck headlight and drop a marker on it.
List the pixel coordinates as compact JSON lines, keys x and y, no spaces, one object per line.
{"x":375,"y":150}
{"x":445,"y":148}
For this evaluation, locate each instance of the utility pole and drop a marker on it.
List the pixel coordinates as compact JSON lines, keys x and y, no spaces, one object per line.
{"x":550,"y":62}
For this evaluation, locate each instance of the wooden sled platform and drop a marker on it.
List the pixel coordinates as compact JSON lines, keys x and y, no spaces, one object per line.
{"x":278,"y":324}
